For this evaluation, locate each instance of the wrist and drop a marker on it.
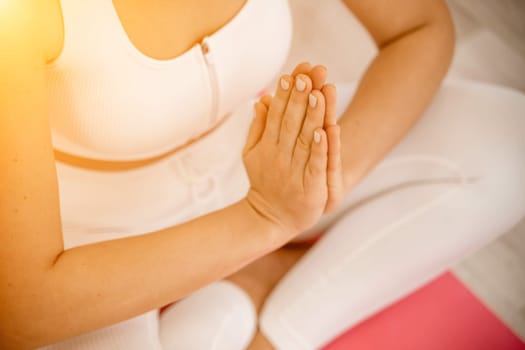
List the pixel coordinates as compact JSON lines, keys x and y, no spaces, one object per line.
{"x":278,"y":233}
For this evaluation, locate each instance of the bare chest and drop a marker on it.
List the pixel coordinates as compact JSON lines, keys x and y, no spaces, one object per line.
{"x":165,"y":29}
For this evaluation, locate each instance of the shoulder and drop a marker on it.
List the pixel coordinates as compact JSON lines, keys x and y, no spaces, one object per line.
{"x":53,"y":22}
{"x":31,"y":26}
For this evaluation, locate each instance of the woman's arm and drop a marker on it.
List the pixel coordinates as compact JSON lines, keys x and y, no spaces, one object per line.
{"x":415,"y":40}
{"x":47,"y":293}
{"x":81,"y":289}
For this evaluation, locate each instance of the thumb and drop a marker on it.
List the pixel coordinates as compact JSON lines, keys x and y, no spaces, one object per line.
{"x":257,"y":126}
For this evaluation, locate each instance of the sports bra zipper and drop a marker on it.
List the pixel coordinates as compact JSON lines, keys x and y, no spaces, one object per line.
{"x":212,"y":73}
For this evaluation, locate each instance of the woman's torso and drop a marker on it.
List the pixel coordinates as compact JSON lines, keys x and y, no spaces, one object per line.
{"x":135,"y":80}
{"x":115,"y":100}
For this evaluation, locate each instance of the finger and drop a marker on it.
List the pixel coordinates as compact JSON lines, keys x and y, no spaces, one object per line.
{"x":266,"y":100}
{"x":257,"y":126}
{"x":330,"y":94}
{"x":295,"y":113}
{"x":314,"y":120}
{"x":317,"y":73}
{"x":315,"y":170}
{"x":318,"y":76}
{"x":302,"y":68}
{"x":334,"y":175}
{"x":277,"y":108}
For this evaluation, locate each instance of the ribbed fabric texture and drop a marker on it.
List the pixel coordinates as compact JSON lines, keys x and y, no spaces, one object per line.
{"x":109,"y":101}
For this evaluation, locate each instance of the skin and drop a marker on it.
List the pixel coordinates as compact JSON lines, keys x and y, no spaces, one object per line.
{"x":114,"y":280}
{"x":58,"y":285}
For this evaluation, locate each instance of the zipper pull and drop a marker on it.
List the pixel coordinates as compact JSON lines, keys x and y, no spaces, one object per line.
{"x":206,"y":51}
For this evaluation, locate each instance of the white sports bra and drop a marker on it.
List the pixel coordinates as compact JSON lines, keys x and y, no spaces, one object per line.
{"x":109,"y":101}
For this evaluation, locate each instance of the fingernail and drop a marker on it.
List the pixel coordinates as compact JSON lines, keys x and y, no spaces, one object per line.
{"x":317,"y":137}
{"x":300,"y":84}
{"x":312,"y":100}
{"x":285,"y":85}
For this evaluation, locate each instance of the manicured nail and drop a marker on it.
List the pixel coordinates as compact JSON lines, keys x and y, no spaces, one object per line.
{"x":317,"y":137}
{"x":300,"y":84}
{"x":285,"y":85}
{"x":312,"y":101}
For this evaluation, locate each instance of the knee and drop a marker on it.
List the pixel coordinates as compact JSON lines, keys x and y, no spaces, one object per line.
{"x":218,"y":316}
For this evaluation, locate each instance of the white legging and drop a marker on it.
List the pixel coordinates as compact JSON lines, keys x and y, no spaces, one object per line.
{"x":454,"y":183}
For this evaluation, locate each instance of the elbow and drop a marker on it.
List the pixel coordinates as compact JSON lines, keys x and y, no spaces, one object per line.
{"x":433,"y":34}
{"x":443,"y":35}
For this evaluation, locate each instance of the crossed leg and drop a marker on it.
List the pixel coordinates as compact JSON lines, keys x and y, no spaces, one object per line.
{"x":453,"y":184}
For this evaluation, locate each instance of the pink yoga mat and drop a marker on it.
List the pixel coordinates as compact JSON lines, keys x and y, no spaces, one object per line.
{"x":443,"y":315}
